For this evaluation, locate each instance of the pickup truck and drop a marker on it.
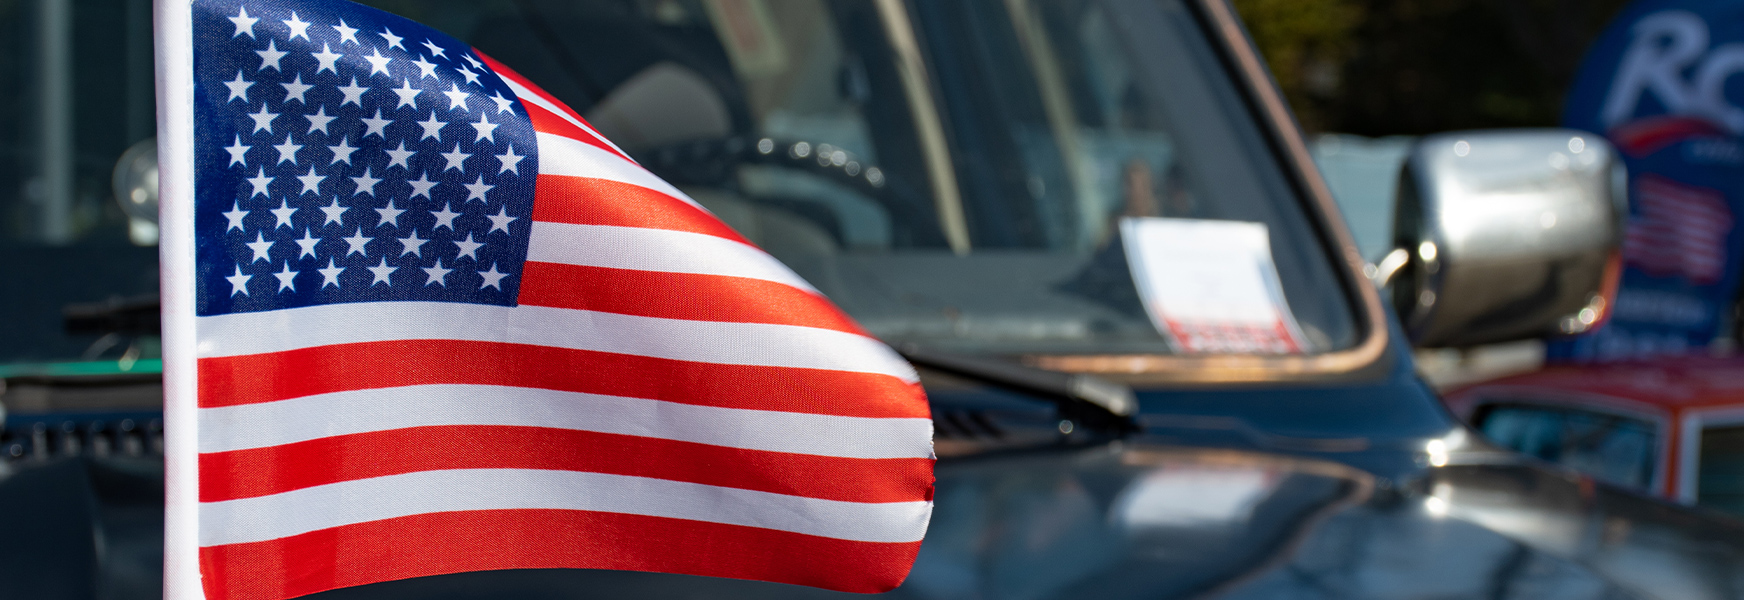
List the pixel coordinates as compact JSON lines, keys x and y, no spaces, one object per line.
{"x":967,"y":179}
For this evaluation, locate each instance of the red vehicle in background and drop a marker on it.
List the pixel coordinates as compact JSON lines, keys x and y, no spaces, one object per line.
{"x":1670,"y":426}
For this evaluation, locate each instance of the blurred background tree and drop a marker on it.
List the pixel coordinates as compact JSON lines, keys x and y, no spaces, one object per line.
{"x":1390,"y":67}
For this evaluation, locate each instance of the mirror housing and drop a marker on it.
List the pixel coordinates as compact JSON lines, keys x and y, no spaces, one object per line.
{"x":1506,"y":235}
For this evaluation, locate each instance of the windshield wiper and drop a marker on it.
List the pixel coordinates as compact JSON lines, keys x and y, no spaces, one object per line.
{"x":1092,"y":401}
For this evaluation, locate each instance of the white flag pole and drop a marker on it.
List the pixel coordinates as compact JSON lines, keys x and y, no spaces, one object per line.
{"x":175,"y":151}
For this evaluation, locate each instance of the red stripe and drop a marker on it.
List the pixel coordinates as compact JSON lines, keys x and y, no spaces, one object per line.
{"x":454,"y":542}
{"x":254,"y":378}
{"x":546,"y":122}
{"x":275,"y":469}
{"x":588,"y":201}
{"x":678,"y":296}
{"x":539,"y":114}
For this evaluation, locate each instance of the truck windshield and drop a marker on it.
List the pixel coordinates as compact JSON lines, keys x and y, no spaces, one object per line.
{"x":952,"y":173}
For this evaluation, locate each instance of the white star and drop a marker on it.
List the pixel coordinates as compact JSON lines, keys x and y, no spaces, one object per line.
{"x":334,"y":213}
{"x":393,"y":40}
{"x":235,"y":215}
{"x":456,"y":97}
{"x":239,"y":87}
{"x":444,"y":218}
{"x":422,"y":186}
{"x":377,"y":126}
{"x":285,"y":276}
{"x":327,"y":58}
{"x":283,"y":215}
{"x":425,"y":69}
{"x":432,"y":128}
{"x":485,"y":130}
{"x":330,"y":275}
{"x":238,"y":282}
{"x":501,"y":220}
{"x":356,"y":241}
{"x":492,"y":278}
{"x":262,"y":120}
{"x":476,"y":64}
{"x":468,"y":248}
{"x":342,"y":151}
{"x":413,"y":245}
{"x":295,"y":90}
{"x":435,"y":50}
{"x":287,"y":151}
{"x":470,"y":76}
{"x":366,"y":183}
{"x":269,"y":58}
{"x":455,"y":157}
{"x":390,"y":215}
{"x":259,"y":181}
{"x":511,"y":161}
{"x":244,"y":25}
{"x":311,"y":182}
{"x":298,"y":27}
{"x":319,"y":120}
{"x":408,"y":94}
{"x":381,"y":271}
{"x":477,"y":188}
{"x":346,"y":34}
{"x":504,"y":103}
{"x":399,"y":155}
{"x":353,"y":93}
{"x":260,"y":247}
{"x":238,"y":152}
{"x":378,"y":63}
{"x":437,"y":273}
{"x":307,"y":243}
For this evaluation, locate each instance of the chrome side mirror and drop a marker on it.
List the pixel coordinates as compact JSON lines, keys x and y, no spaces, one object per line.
{"x":135,"y":183}
{"x":1505,"y":235}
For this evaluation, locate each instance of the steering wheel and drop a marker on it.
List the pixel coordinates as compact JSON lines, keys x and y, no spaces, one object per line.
{"x":710,"y":162}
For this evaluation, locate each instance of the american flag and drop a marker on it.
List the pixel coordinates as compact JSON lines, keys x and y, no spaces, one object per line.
{"x":441,"y":325}
{"x":1678,"y":230}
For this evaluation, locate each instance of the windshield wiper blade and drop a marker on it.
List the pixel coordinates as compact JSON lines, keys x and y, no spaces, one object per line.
{"x":1092,"y":400}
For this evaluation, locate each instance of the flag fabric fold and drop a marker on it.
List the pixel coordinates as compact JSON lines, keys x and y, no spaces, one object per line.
{"x":440,"y":324}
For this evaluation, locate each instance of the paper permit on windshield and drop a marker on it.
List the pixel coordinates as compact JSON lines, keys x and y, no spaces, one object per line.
{"x":1210,"y":286}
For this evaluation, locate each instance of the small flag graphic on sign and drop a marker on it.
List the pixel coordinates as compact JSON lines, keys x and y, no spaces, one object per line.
{"x":422,"y":319}
{"x":1678,"y":230}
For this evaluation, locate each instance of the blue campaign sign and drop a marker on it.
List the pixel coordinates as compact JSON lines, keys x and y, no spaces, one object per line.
{"x":1659,"y":84}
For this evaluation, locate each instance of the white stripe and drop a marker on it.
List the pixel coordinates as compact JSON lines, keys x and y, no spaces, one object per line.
{"x":644,"y":249}
{"x":527,"y":95}
{"x":229,"y":428}
{"x":755,"y":344}
{"x":360,"y":501}
{"x":559,"y":155}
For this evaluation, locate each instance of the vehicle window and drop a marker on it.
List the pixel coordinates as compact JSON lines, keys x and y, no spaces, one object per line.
{"x":79,"y":93}
{"x":951,"y":173}
{"x":1720,"y":477}
{"x":1611,"y":448}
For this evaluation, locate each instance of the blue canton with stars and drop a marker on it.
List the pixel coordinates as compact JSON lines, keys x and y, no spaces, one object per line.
{"x":345,"y":154}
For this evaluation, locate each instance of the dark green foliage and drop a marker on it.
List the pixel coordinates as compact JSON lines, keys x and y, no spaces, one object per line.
{"x":1387,"y":67}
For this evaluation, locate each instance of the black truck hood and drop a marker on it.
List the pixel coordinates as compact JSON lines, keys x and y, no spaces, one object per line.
{"x":1120,"y":520}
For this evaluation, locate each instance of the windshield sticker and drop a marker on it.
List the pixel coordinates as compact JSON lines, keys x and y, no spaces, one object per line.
{"x":1210,"y":286}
